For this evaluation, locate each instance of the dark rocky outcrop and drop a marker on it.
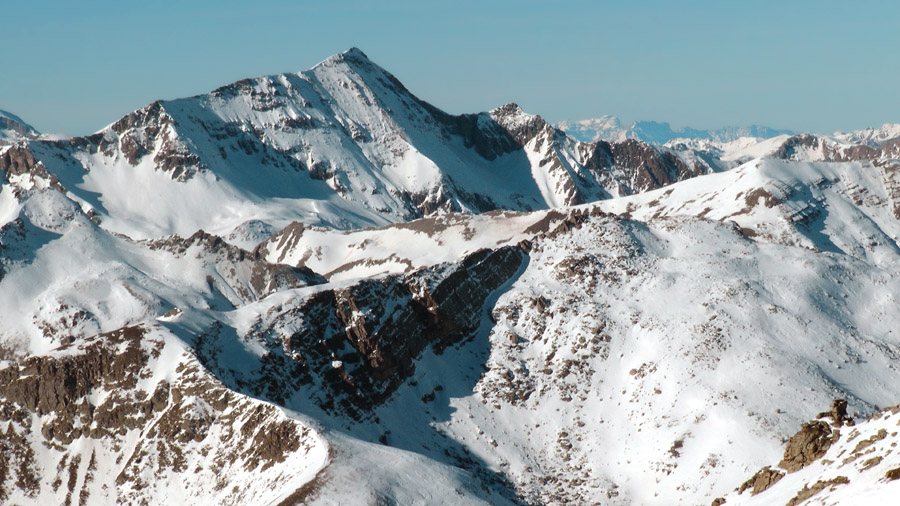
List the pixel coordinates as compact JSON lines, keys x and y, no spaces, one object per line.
{"x":19,"y":160}
{"x":259,"y":277}
{"x":807,"y":445}
{"x":838,"y":413}
{"x":360,"y":343}
{"x":761,"y":481}
{"x":791,"y":147}
{"x":650,"y":168}
{"x":93,"y":393}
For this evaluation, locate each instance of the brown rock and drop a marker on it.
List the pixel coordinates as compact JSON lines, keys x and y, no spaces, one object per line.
{"x":760,"y":482}
{"x":838,"y":413}
{"x":806,"y":492}
{"x":807,"y":445}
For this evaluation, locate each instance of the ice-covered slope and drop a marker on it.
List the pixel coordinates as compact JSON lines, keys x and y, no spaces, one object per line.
{"x":343,"y":145}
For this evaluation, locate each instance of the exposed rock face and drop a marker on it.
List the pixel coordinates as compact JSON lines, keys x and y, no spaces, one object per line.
{"x":17,"y":163}
{"x":18,"y":160}
{"x":359,"y":343}
{"x":838,"y":413}
{"x":807,"y":445}
{"x":85,"y":406}
{"x":793,"y":145}
{"x":761,"y":481}
{"x":245,"y":273}
{"x":521,"y":126}
{"x":889,"y":170}
{"x":602,"y":168}
{"x":651,"y":169}
{"x":13,"y":129}
{"x":148,"y":130}
{"x":846,"y":467}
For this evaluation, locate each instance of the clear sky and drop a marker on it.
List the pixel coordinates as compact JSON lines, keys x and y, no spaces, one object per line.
{"x":74,"y":67}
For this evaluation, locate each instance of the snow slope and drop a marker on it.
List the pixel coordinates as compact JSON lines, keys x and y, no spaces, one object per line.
{"x":160,"y":428}
{"x":859,"y":466}
{"x":589,"y":332}
{"x":554,"y":367}
{"x":589,"y":328}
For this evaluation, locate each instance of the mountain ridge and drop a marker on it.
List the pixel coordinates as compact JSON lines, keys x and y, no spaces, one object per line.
{"x":344,"y":145}
{"x":172,"y":315}
{"x":13,"y":129}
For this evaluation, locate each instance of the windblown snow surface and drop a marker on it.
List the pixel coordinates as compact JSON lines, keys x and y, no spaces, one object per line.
{"x":320,"y":346}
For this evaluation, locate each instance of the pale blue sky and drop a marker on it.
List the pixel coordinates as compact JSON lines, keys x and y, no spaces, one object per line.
{"x":73,"y":67}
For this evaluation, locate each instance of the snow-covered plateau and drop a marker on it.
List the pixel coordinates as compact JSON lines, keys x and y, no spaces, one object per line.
{"x":316,"y":288}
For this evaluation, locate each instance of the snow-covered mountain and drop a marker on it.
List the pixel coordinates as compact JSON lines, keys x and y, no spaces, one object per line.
{"x":872,"y":137}
{"x":609,"y":128}
{"x":343,"y":145}
{"x":605,"y":128}
{"x":388,"y":304}
{"x":13,"y":129}
{"x":799,"y":147}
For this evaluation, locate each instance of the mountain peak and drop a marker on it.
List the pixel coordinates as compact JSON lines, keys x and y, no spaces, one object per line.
{"x":510,"y":108}
{"x":513,"y":112}
{"x":351,"y":56}
{"x":354,"y":52}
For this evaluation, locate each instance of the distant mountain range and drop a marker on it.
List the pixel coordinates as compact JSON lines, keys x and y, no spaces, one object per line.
{"x":610,"y":129}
